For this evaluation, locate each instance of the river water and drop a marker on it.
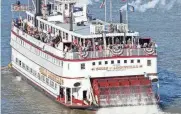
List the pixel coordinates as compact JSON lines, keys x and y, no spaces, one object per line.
{"x":164,"y":26}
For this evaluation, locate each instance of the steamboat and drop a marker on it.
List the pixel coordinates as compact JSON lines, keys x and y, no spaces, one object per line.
{"x":80,"y":61}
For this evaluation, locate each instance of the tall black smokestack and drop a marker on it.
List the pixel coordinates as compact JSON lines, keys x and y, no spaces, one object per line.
{"x":121,"y":17}
{"x":71,"y":16}
{"x":38,"y":11}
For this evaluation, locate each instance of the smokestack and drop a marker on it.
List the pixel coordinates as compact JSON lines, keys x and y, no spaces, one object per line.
{"x":121,"y":18}
{"x":71,"y":16}
{"x":38,"y":11}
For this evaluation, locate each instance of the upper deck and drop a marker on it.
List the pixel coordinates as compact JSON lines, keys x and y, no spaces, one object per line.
{"x":88,"y":38}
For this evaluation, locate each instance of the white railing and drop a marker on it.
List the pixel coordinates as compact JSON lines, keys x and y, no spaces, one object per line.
{"x":40,"y":44}
{"x":86,"y":54}
{"x":109,"y":53}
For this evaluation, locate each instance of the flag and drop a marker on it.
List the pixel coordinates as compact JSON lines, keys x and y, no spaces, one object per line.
{"x":77,"y":9}
{"x":130,"y":8}
{"x":102,"y":4}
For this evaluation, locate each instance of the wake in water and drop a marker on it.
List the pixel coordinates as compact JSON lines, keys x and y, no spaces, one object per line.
{"x":143,"y":109}
{"x":136,"y":109}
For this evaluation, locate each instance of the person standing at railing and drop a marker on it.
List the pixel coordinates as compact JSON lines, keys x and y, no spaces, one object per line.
{"x":154,"y":45}
{"x":18,"y":3}
{"x":138,"y":48}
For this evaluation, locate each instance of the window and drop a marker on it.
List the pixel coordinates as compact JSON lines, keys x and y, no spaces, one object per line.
{"x":132,"y":61}
{"x":38,"y":75}
{"x":112,"y":62}
{"x":47,"y":81}
{"x":31,"y":70}
{"x":138,"y":61}
{"x":19,"y":63}
{"x":34,"y":73}
{"x":148,"y":62}
{"x":93,"y":63}
{"x":82,"y":66}
{"x":55,"y":85}
{"x":106,"y":62}
{"x":66,"y":36}
{"x":118,"y":61}
{"x":23,"y":65}
{"x":68,"y":66}
{"x":100,"y":63}
{"x":27,"y":68}
{"x":43,"y":78}
{"x":63,"y":35}
{"x":51,"y":83}
{"x":125,"y":61}
{"x":16,"y":60}
{"x":66,"y":6}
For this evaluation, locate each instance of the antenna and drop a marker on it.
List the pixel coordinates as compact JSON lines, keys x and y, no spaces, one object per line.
{"x":111,"y":11}
{"x":105,"y":10}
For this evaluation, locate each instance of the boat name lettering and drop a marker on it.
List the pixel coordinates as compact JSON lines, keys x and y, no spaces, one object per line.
{"x":51,"y":75}
{"x":117,"y":68}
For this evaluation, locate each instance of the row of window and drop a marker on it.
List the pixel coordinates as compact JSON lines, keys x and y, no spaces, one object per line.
{"x":39,"y":53}
{"x":41,"y":77}
{"x":113,"y":62}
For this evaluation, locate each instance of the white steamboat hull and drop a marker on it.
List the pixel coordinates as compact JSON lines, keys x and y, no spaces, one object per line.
{"x":49,"y":76}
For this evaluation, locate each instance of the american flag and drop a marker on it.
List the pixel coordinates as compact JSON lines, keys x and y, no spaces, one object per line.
{"x":102,"y":4}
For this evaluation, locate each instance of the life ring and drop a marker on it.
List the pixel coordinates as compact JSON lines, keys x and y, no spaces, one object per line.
{"x":83,"y":53}
{"x":116,"y":50}
{"x":149,"y":51}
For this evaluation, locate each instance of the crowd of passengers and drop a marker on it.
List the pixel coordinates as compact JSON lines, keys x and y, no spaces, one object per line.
{"x":98,"y":45}
{"x":75,"y":46}
{"x":38,"y":34}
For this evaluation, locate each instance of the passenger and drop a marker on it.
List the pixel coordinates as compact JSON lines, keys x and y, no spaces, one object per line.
{"x":138,"y":46}
{"x":117,"y":41}
{"x":18,"y":3}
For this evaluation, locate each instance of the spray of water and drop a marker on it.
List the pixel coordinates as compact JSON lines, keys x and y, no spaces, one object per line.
{"x":144,"y":108}
{"x":141,"y":6}
{"x":18,"y":78}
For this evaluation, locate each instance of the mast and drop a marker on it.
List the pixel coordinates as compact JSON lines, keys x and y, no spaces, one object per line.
{"x":71,"y":16}
{"x":127,"y":14}
{"x":38,"y":11}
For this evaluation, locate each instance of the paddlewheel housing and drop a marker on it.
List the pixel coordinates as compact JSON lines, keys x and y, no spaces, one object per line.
{"x":123,"y":91}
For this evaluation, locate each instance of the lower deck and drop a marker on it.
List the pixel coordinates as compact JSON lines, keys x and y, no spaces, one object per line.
{"x":101,"y":91}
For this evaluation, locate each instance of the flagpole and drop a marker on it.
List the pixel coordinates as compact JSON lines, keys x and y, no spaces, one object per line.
{"x":127,"y":14}
{"x":105,"y":10}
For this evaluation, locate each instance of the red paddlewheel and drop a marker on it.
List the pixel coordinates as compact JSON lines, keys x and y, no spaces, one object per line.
{"x":115,"y":91}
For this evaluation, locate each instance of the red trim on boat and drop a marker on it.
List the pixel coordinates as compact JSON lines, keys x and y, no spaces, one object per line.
{"x":50,"y":71}
{"x":80,"y":60}
{"x":56,"y":98}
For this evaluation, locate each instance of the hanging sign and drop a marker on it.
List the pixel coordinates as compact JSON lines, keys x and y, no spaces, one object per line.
{"x":51,"y":75}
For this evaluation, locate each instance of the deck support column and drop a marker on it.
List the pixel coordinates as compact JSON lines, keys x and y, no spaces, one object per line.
{"x":65,"y":95}
{"x":71,"y":96}
{"x":112,"y":40}
{"x":80,"y":44}
{"x":132,"y":41}
{"x":84,"y":42}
